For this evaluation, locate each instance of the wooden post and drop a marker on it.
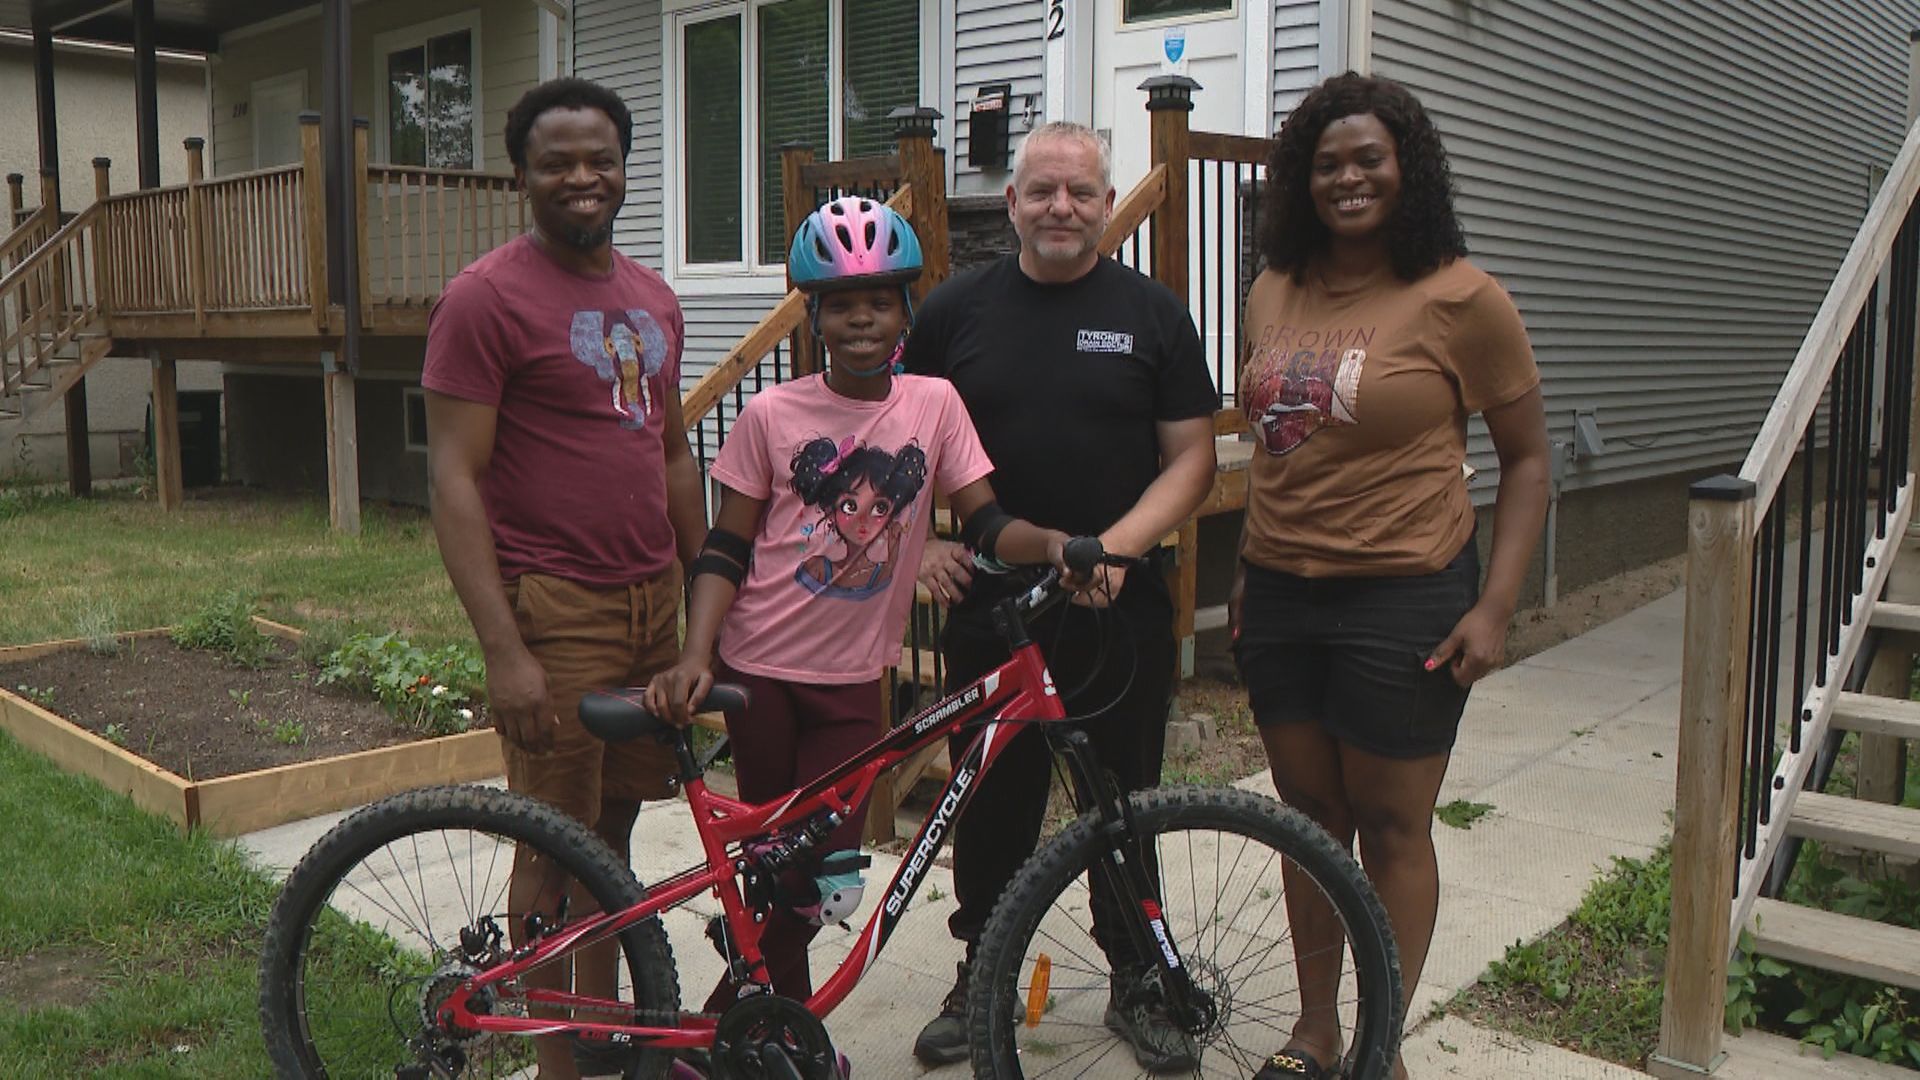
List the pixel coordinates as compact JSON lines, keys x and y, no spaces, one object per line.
{"x":1169,"y":108}
{"x":53,"y":271}
{"x":884,"y":800}
{"x":16,"y":199}
{"x":796,"y":201}
{"x":360,"y":216}
{"x":343,"y":447}
{"x":1170,"y":103}
{"x":922,"y":166}
{"x":78,"y":427}
{"x":166,"y":433}
{"x":1185,"y":579}
{"x":313,"y":191}
{"x":1713,"y":709}
{"x":103,"y":237}
{"x":196,"y":231}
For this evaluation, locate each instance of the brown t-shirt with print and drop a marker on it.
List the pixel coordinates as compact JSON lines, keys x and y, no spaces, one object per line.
{"x":1358,"y":399}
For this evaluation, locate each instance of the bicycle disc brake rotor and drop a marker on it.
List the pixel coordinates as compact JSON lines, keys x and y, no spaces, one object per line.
{"x":759,"y":1035}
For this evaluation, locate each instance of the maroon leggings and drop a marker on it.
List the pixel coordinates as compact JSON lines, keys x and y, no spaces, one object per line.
{"x":793,"y":734}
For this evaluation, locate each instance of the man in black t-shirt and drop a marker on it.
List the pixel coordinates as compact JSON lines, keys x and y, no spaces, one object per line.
{"x":1089,"y":390}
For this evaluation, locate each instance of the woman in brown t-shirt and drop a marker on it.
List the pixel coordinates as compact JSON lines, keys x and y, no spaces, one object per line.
{"x":1358,"y":617}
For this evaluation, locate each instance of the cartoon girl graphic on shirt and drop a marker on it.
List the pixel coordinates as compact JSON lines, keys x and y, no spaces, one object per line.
{"x":626,"y":349}
{"x":865,"y":497}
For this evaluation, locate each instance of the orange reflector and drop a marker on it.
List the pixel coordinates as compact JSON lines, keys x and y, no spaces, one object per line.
{"x":1037,"y":989}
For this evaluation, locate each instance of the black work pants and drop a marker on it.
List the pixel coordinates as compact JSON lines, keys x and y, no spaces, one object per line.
{"x":1130,"y":689}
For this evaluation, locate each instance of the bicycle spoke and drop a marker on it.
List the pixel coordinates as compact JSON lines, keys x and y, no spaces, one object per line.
{"x":1229,"y":897}
{"x":382,"y":930}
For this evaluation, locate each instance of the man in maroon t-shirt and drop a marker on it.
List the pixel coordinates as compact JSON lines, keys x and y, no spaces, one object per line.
{"x":562,"y":482}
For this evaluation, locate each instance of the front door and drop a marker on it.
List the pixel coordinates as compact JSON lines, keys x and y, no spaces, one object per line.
{"x":1135,"y":40}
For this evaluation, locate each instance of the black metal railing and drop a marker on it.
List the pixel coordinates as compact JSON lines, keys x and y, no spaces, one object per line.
{"x":710,"y":433}
{"x":1802,"y":618}
{"x":1224,"y":197}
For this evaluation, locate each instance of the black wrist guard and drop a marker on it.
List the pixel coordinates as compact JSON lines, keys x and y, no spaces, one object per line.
{"x":723,"y":554}
{"x":981,"y":531}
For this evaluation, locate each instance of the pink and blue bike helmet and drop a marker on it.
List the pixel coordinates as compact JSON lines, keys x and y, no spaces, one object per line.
{"x":853,"y":243}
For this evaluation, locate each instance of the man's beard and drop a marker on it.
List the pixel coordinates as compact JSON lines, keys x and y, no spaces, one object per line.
{"x":585,"y":239}
{"x":1065,"y":251}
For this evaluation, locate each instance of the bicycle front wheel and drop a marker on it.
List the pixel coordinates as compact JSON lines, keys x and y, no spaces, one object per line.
{"x":1235,"y":873}
{"x":396,"y":906}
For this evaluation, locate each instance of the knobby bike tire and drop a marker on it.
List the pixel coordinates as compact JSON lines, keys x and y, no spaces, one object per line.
{"x":1233,"y":951}
{"x":362,"y":859}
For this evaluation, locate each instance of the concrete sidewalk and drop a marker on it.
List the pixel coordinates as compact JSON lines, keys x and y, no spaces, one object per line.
{"x":1573,"y":748}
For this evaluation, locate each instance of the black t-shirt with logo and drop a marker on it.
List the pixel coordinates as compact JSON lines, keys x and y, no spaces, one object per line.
{"x":1065,"y":383}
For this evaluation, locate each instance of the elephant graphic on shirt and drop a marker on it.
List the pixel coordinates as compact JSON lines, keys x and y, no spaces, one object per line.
{"x":627,"y":350}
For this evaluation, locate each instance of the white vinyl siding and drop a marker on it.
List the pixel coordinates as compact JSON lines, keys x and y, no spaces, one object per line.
{"x":1666,"y":192}
{"x":994,"y":41}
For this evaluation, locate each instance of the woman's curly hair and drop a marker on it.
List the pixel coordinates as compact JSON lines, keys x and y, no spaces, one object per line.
{"x":1423,"y":233}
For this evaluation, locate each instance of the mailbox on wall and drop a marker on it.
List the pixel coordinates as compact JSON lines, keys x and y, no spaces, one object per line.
{"x":987,"y":126}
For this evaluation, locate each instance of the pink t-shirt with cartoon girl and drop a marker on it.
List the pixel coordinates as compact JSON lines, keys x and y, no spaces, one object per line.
{"x":848,"y":486}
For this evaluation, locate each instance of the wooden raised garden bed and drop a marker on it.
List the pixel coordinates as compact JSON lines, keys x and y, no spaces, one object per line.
{"x":244,"y":802}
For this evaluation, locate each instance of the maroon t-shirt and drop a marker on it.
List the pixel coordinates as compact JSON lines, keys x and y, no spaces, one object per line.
{"x":579,"y":367}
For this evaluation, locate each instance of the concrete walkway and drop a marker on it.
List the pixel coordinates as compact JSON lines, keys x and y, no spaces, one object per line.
{"x":1573,"y":748}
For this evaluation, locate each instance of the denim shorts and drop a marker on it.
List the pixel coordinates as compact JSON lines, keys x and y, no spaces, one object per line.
{"x":1349,"y":654}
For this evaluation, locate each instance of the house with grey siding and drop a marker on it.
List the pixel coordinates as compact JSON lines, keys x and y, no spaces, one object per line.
{"x":1665,"y":188}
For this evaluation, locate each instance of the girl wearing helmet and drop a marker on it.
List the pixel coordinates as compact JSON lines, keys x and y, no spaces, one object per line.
{"x":826,"y":486}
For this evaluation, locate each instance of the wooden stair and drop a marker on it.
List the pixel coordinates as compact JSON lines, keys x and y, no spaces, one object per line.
{"x":1857,"y":824}
{"x":1833,"y":942}
{"x":1756,"y":1055}
{"x":1902,"y":618}
{"x":50,"y":380}
{"x":1871,"y":714}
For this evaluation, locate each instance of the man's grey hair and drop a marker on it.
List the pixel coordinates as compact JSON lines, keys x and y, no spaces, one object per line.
{"x":1067,"y":129}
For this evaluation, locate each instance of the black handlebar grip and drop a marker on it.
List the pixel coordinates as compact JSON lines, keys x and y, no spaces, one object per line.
{"x":1084,"y":555}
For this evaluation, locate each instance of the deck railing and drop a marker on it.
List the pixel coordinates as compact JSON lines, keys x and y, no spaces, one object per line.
{"x":424,"y":225}
{"x":1772,"y":628}
{"x":254,"y":242}
{"x":48,"y":298}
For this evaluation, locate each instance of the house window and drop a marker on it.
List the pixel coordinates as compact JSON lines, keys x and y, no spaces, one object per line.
{"x":415,"y":400}
{"x":429,"y":79}
{"x":1133,"y":11}
{"x":757,"y":75}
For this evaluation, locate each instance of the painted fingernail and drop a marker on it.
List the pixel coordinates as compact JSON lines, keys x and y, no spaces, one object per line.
{"x":1431,"y":662}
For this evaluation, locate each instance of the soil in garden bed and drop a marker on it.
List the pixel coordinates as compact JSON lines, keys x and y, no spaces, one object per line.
{"x":199,"y":716}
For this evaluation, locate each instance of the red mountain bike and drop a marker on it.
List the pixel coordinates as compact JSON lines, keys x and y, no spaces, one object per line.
{"x":393,"y":952}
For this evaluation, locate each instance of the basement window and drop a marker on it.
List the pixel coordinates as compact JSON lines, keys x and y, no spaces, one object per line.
{"x":416,"y":418}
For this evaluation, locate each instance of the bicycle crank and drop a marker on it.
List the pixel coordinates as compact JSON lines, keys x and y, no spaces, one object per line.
{"x":773,"y":1038}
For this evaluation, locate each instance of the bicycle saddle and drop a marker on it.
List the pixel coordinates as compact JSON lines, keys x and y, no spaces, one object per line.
{"x":621,"y":715}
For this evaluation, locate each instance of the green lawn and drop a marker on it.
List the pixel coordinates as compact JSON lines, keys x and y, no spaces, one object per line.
{"x":162,"y":930}
{"x":71,"y":567}
{"x":169,"y":927}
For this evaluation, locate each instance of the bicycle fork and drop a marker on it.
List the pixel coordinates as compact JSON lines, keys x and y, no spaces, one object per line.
{"x":1129,"y":875}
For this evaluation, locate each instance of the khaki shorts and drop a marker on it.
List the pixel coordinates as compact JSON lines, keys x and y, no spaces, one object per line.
{"x":592,"y":639}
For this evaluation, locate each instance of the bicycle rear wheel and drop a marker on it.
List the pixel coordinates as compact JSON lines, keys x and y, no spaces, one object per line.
{"x":1039,"y":1004}
{"x":399,"y":903}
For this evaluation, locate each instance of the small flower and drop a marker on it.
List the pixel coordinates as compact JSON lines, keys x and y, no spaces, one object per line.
{"x":466,"y":714}
{"x":439,"y":691}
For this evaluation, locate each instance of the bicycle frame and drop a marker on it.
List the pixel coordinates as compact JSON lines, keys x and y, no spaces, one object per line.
{"x":1018,"y":691}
